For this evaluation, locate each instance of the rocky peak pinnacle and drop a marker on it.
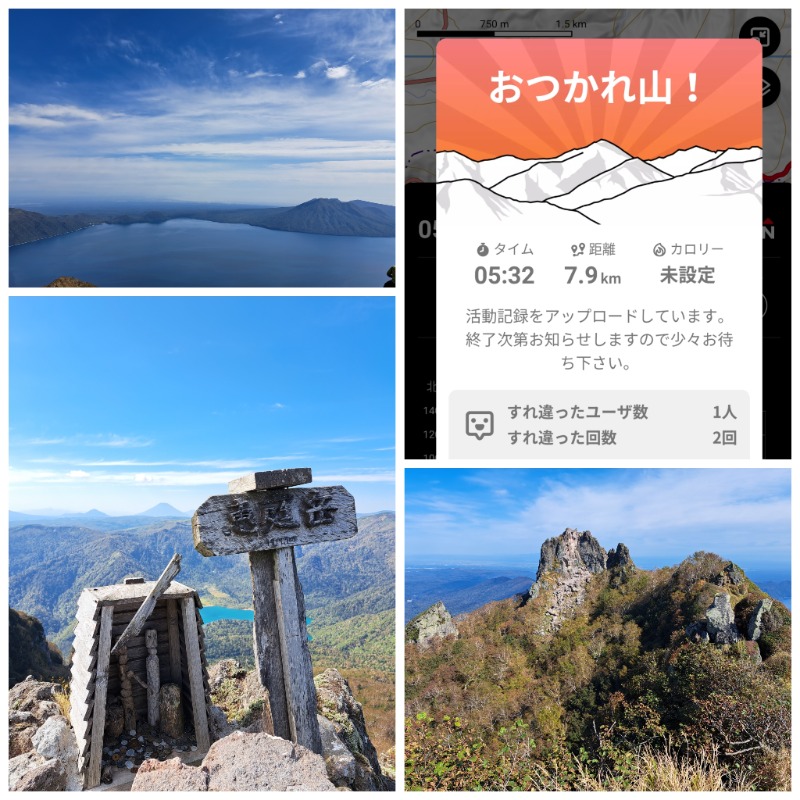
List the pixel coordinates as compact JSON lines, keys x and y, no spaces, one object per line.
{"x":566,"y":565}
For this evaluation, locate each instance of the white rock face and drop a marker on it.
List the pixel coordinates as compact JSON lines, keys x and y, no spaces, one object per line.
{"x":434,"y":623}
{"x":55,"y":739}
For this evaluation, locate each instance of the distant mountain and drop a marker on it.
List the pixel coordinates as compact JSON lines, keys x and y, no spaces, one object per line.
{"x":50,"y":564}
{"x":163,"y":510}
{"x":320,"y":216}
{"x":335,"y":218}
{"x":91,"y":514}
{"x":600,"y":184}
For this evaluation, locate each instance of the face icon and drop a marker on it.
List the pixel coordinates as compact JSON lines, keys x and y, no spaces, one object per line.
{"x":480,"y":424}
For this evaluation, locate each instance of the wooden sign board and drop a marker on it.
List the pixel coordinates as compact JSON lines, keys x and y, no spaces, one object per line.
{"x":268,"y":520}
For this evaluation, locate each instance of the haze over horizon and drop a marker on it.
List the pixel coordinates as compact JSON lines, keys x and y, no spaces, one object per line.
{"x":121,"y":403}
{"x":261,"y":107}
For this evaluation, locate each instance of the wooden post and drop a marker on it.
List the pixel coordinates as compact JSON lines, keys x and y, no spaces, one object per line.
{"x":301,"y":695}
{"x":146,"y":608}
{"x":100,"y":691}
{"x":153,"y":683}
{"x":267,"y":519}
{"x":266,"y":641}
{"x":195,"y":667}
{"x":173,"y":633}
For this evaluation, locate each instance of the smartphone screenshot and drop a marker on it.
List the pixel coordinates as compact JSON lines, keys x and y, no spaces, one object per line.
{"x":582,"y":229}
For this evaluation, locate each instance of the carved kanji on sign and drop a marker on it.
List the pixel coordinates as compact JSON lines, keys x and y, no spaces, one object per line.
{"x":266,"y":519}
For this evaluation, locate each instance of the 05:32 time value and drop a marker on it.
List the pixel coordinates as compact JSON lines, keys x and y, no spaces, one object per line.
{"x":512,"y":275}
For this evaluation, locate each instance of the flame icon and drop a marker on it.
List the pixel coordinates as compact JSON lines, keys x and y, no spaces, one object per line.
{"x":659,"y":250}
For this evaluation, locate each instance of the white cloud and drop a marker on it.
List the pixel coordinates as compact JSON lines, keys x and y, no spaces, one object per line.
{"x":78,"y":473}
{"x":661,"y":515}
{"x":301,"y":74}
{"x":260,"y":73}
{"x":308,"y":148}
{"x":336,"y":73}
{"x":30,"y":115}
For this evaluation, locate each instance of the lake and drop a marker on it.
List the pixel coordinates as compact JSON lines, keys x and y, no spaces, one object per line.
{"x":213,"y":613}
{"x":188,"y":252}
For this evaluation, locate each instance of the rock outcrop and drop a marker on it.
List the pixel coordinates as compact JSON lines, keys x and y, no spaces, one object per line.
{"x":719,"y":625}
{"x":730,"y":575}
{"x":43,"y":753}
{"x":241,"y":762}
{"x":720,"y":621}
{"x":754,"y":628}
{"x":433,"y":623}
{"x":566,"y":565}
{"x":349,"y":756}
{"x":337,"y":705}
{"x":30,"y":703}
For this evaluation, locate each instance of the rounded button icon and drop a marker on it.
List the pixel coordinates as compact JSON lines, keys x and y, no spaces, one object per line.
{"x":765,"y":31}
{"x":770,"y":87}
{"x":483,"y":249}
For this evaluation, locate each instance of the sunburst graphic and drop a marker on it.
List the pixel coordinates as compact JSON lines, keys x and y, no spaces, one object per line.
{"x":715,"y":98}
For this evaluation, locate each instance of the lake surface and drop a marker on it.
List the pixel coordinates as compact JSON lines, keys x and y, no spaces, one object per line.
{"x":187,"y":252}
{"x":213,"y":613}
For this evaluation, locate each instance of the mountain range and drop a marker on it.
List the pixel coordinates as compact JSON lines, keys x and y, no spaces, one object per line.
{"x":326,"y":216}
{"x":604,"y":676}
{"x":51,"y":562}
{"x":600,"y":184}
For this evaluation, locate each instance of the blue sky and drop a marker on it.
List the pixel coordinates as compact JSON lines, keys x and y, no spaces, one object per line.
{"x":497,"y":516}
{"x":250,"y":106}
{"x":122,"y":403}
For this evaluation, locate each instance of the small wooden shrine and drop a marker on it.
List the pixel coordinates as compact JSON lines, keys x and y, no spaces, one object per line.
{"x":132,"y":641}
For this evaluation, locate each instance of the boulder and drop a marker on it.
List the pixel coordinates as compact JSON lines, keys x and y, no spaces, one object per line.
{"x":259,"y":762}
{"x":30,"y":703}
{"x":433,"y":623}
{"x":754,"y":623}
{"x":339,"y":761}
{"x":169,"y":776}
{"x":720,"y":622}
{"x":56,"y":740}
{"x":20,"y":765}
{"x":32,"y":772}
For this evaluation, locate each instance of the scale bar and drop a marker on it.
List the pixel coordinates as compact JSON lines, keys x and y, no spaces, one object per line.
{"x":494,"y":34}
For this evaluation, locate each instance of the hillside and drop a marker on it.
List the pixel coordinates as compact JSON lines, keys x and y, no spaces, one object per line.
{"x":607,"y":676}
{"x":326,"y":216}
{"x":31,"y":653}
{"x":49,"y":565}
{"x":28,"y":226}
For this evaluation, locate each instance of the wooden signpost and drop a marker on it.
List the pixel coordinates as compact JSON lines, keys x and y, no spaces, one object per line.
{"x":265,"y":518}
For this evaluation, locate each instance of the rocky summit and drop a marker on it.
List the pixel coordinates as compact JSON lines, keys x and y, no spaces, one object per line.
{"x":566,"y":565}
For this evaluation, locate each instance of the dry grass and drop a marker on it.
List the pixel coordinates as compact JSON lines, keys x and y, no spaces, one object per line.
{"x":62,"y":701}
{"x":660,"y":771}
